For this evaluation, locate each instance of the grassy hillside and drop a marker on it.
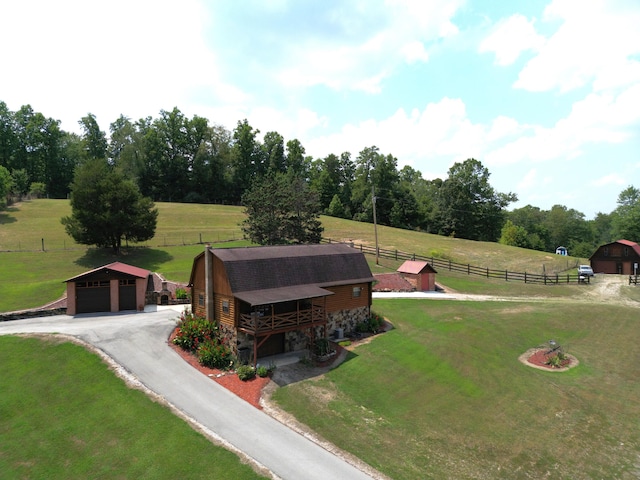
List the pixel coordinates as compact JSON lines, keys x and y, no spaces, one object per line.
{"x":32,"y":275}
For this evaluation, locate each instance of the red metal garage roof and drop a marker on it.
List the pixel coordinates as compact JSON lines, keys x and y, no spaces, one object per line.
{"x":116,"y":267}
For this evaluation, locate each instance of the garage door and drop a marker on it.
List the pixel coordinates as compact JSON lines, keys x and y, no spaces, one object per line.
{"x":93,"y":296}
{"x":127,"y":292}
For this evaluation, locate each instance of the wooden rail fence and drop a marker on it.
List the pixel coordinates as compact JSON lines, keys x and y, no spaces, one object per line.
{"x":442,"y":264}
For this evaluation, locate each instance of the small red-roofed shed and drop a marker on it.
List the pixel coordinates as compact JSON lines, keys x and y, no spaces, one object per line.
{"x":110,"y":288}
{"x":420,"y":274}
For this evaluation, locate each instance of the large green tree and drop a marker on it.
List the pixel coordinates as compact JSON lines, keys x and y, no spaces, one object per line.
{"x":6,"y":183}
{"x":469,"y":206}
{"x":626,"y":217}
{"x":95,"y":140}
{"x":281,"y":210}
{"x":247,"y":159}
{"x":107,"y":208}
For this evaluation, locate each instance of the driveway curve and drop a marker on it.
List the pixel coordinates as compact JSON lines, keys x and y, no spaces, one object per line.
{"x":138,"y":343}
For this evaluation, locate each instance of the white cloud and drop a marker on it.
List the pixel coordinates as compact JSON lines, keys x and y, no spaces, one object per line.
{"x":597,"y":118}
{"x":595,"y":43}
{"x":120,"y":57}
{"x":366,"y":59}
{"x":611,"y":179}
{"x":510,"y":38}
{"x":529,"y":180}
{"x":414,"y":52}
{"x":435,"y":137}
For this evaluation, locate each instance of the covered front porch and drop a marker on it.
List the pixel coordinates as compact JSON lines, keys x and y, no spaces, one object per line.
{"x":275,"y":320}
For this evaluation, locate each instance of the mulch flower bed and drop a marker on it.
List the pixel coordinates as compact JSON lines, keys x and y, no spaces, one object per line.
{"x":538,"y":357}
{"x":249,"y":390}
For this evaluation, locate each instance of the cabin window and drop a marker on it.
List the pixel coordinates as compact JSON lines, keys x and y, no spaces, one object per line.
{"x":357,"y":291}
{"x":200,"y":300}
{"x":225,"y":306}
{"x":605,"y":251}
{"x":626,"y":252}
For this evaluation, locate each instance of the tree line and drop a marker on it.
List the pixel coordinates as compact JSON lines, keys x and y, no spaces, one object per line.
{"x":174,"y":158}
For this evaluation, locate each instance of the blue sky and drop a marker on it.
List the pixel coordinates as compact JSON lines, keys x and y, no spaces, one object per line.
{"x":546,"y":94}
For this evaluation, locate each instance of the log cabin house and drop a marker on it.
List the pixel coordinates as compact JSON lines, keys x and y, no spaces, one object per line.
{"x":277,"y":299}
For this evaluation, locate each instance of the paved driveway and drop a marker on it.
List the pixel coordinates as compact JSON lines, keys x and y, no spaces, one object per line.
{"x":138,"y":342}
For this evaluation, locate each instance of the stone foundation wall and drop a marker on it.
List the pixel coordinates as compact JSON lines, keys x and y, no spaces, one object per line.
{"x":296,"y":340}
{"x":230,"y":336}
{"x":346,"y":319}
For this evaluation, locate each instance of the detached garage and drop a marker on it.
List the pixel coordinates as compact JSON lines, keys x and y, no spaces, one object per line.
{"x":110,"y":288}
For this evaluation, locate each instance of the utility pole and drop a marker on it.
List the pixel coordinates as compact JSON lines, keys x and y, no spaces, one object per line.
{"x":375,"y":225}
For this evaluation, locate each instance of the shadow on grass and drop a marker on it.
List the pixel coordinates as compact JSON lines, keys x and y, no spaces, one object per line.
{"x":6,"y":218}
{"x":143,"y":257}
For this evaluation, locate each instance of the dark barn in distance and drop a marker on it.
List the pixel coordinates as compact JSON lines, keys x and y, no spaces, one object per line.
{"x":619,"y":257}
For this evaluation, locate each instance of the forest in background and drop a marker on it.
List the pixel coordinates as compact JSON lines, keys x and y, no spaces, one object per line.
{"x":174,"y":158}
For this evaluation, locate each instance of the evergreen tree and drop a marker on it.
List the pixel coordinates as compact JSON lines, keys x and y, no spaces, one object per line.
{"x":281,"y":210}
{"x":108,"y":208}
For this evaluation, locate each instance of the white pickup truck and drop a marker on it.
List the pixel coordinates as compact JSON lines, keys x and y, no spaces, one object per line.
{"x":585,"y":271}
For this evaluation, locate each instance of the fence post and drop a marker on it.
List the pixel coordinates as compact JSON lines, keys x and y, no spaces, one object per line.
{"x":487,"y":272}
{"x":468,"y":269}
{"x":545,"y":278}
{"x":396,"y":255}
{"x":506,"y":276}
{"x":525,"y":277}
{"x":449,"y":264}
{"x":43,"y":244}
{"x":200,"y":237}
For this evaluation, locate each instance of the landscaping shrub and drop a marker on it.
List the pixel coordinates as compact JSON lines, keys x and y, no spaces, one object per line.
{"x":372,"y":325}
{"x":262,"y":371}
{"x":321,"y":347}
{"x":246,"y":372}
{"x":557,"y":360}
{"x":181,"y":293}
{"x":375,"y":322}
{"x":213,"y":353}
{"x":193,"y":330}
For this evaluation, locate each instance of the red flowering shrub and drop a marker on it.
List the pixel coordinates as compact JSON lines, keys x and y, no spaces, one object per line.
{"x":213,"y":353}
{"x":193,"y":331}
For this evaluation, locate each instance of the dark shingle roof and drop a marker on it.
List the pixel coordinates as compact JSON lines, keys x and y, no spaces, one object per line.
{"x":265,"y":268}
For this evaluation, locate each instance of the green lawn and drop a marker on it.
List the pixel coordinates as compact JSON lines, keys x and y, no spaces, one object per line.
{"x":65,"y":415}
{"x":444,"y":396}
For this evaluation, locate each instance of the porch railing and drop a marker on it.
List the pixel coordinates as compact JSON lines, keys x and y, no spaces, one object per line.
{"x":254,"y":323}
